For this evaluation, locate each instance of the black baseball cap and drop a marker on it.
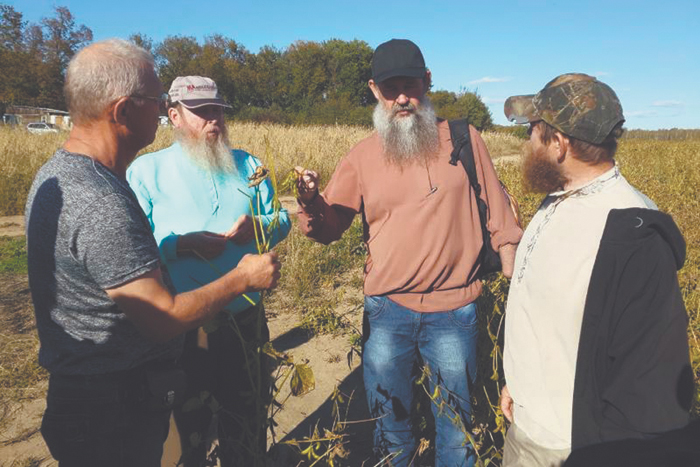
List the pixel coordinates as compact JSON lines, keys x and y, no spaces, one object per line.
{"x":397,"y":57}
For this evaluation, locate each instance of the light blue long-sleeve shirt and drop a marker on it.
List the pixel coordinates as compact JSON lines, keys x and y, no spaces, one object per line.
{"x":179,"y":197}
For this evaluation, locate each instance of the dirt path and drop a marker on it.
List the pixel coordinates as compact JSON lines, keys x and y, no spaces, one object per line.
{"x":327,"y":357}
{"x":12,"y":226}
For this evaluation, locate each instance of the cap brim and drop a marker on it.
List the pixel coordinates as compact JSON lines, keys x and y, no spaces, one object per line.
{"x":521,"y":109}
{"x":407,"y":72}
{"x":196,"y":103}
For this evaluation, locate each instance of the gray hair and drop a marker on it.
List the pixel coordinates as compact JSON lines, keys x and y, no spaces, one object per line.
{"x":103,"y":72}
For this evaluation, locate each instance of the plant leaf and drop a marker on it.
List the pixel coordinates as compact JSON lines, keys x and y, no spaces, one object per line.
{"x":303,"y":380}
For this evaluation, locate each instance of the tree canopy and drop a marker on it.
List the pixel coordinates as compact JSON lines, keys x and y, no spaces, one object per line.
{"x":33,"y":57}
{"x":308,"y":82}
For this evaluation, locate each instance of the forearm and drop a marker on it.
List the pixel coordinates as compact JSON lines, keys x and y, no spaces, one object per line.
{"x":322,"y":222}
{"x":185,"y":245}
{"x":507,"y":255}
{"x":192,"y":309}
{"x":160,"y":316}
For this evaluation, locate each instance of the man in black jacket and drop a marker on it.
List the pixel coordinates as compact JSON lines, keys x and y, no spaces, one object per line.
{"x":596,"y":347}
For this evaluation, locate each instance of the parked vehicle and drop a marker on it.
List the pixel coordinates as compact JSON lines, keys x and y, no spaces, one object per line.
{"x":39,"y":128}
{"x":9,"y":120}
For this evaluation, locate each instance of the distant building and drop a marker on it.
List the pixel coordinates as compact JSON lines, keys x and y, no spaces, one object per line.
{"x":10,"y":119}
{"x":24,"y":114}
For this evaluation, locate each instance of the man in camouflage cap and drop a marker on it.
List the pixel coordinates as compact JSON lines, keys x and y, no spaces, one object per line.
{"x":595,"y":337}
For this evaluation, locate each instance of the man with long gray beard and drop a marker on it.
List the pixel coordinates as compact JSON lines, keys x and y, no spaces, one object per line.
{"x":423,"y":235}
{"x":197,"y":197}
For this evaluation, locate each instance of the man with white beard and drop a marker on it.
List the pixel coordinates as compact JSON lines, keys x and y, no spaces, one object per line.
{"x":423,"y":235}
{"x":197,"y":197}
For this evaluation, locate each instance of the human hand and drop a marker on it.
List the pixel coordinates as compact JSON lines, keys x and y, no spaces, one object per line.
{"x":507,"y":404}
{"x":307,"y":184}
{"x":208,"y":245}
{"x":260,"y":271}
{"x":243,"y":230}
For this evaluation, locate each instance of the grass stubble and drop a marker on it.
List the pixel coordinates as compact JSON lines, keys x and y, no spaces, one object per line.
{"x":317,"y":280}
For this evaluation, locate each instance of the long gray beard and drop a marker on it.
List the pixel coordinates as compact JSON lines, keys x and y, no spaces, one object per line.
{"x":213,"y":156}
{"x":411,"y":139}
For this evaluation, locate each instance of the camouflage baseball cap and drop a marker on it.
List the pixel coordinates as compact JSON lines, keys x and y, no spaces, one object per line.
{"x":576,"y":104}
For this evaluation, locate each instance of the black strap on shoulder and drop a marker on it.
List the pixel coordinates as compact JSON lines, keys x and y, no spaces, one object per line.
{"x":462,"y":151}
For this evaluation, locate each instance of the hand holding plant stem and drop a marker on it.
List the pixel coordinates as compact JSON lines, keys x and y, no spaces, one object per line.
{"x":261,"y":271}
{"x":306,"y":184}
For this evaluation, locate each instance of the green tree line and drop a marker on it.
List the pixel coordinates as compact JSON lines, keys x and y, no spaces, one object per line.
{"x":308,"y":82}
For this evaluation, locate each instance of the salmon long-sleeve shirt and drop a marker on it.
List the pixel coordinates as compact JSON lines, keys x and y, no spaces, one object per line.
{"x":421,"y":222}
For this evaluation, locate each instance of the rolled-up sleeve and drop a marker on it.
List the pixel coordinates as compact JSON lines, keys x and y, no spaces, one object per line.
{"x":501,"y":221}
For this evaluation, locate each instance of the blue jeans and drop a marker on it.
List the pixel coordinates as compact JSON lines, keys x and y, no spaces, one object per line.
{"x":395,"y":339}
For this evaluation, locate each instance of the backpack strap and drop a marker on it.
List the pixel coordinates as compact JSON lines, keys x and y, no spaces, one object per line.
{"x":462,"y":151}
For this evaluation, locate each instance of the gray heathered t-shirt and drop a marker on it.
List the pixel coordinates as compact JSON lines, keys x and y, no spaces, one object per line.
{"x":86,"y":233}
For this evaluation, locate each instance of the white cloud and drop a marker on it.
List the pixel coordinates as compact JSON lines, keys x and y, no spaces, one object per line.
{"x":642,"y":113}
{"x":599,"y":74}
{"x":667,"y":103}
{"x":490,"y":79}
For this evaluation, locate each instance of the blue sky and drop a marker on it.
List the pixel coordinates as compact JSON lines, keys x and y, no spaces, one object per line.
{"x":648,"y":51}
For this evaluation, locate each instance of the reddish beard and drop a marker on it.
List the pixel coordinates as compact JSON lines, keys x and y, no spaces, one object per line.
{"x":541,"y":175}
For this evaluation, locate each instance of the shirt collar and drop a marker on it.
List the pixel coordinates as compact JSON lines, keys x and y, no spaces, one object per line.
{"x":594,"y":186}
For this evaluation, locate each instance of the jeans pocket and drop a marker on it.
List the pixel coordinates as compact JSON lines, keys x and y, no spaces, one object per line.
{"x":66,"y":434}
{"x":375,"y":305}
{"x":464,"y":317}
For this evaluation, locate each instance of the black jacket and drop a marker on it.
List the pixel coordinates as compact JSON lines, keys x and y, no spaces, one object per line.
{"x":677,"y":448}
{"x":633,"y":374}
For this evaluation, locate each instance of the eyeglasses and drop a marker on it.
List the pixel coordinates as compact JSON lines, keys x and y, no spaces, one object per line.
{"x":162,"y":100}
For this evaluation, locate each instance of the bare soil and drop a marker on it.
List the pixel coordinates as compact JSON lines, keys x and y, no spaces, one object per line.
{"x":12,"y":226}
{"x":19,"y":421}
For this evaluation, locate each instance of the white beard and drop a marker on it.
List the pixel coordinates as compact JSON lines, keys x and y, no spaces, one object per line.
{"x":211,"y":155}
{"x":408,"y":139}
